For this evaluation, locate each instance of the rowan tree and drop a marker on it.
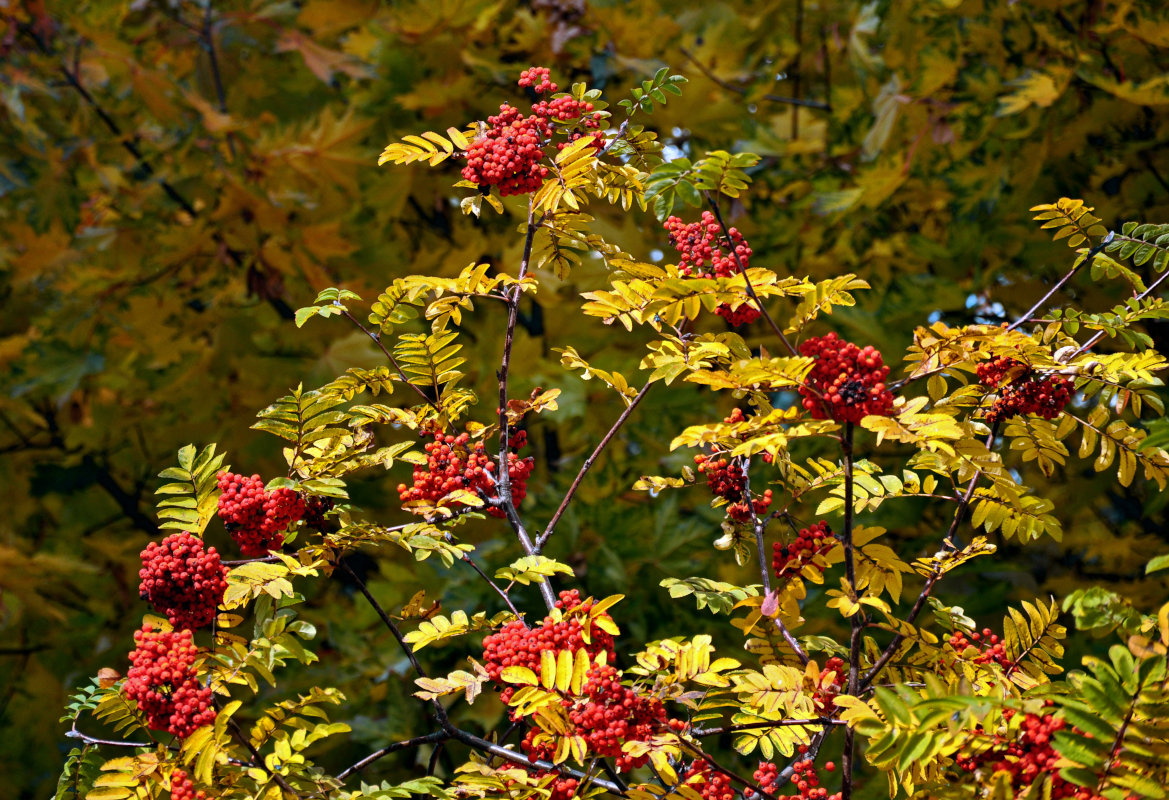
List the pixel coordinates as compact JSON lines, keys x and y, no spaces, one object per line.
{"x":883,"y":698}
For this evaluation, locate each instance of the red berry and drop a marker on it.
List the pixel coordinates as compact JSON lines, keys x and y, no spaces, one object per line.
{"x":706,"y":254}
{"x":846,"y":383}
{"x":163,"y":682}
{"x":183,"y":580}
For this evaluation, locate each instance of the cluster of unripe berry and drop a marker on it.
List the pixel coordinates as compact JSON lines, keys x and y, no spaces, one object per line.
{"x":508,"y":153}
{"x":991,"y":648}
{"x":183,"y":580}
{"x":453,"y":463}
{"x":163,"y":682}
{"x":181,"y":787}
{"x":804,"y":778}
{"x":847,"y":383}
{"x":788,"y":560}
{"x":725,"y":479}
{"x":255,"y":517}
{"x":1026,"y":756}
{"x":705,"y":254}
{"x":1027,"y":392}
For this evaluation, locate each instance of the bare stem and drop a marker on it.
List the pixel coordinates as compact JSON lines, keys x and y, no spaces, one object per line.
{"x":730,"y":87}
{"x":207,"y":34}
{"x":746,"y":279}
{"x":547,"y":534}
{"x":436,"y":737}
{"x":1042,"y":301}
{"x":377,"y":339}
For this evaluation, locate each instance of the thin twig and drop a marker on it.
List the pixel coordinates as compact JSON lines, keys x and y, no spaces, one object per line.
{"x":746,"y":279}
{"x":258,"y":759}
{"x":1101,"y":334}
{"x":377,"y":339}
{"x":730,"y":87}
{"x":547,"y":534}
{"x":207,"y":34}
{"x":493,"y":584}
{"x":76,"y":734}
{"x":758,"y":525}
{"x":1042,"y":301}
{"x":847,"y":760}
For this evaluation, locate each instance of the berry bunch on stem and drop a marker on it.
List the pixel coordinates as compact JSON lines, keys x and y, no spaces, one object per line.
{"x":807,"y":550}
{"x":847,"y":382}
{"x":725,"y":479}
{"x":163,"y":682}
{"x":255,"y":517}
{"x":1022,"y":390}
{"x":454,"y":463}
{"x":183,"y":580}
{"x":705,"y":253}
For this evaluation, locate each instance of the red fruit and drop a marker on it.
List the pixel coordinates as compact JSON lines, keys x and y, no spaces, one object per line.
{"x":183,"y":580}
{"x":163,"y":682}
{"x":452,"y":463}
{"x":847,"y":383}
{"x":706,"y":254}
{"x":1021,"y":390}
{"x":787,"y":560}
{"x":255,"y":517}
{"x":181,"y":787}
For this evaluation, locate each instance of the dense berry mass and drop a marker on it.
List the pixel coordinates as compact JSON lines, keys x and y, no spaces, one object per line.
{"x":725,"y":479}
{"x":508,"y":153}
{"x":255,"y":517}
{"x":1026,"y":755}
{"x":183,"y":580}
{"x":846,"y":383}
{"x":454,"y":463}
{"x":712,"y":785}
{"x":705,"y":254}
{"x":1021,"y":390}
{"x":162,"y":681}
{"x":181,"y":787}
{"x":788,"y":560}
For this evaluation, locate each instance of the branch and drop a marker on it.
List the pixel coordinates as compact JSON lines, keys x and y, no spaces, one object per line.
{"x":389,"y":623}
{"x":503,"y":479}
{"x":750,"y":288}
{"x":493,"y":584}
{"x":847,"y":760}
{"x":730,"y":87}
{"x":758,"y":525}
{"x":393,"y":361}
{"x":544,"y":537}
{"x":919,"y":604}
{"x":1100,"y":334}
{"x":1042,"y":301}
{"x":437,"y":736}
{"x":783,"y":723}
{"x":207,"y":34}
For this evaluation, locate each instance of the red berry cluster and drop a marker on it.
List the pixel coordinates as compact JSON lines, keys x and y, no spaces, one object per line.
{"x":705,"y":254}
{"x":787,"y":560}
{"x":182,"y":580}
{"x":831,"y":683}
{"x":714,"y":785}
{"x":991,"y":648}
{"x":614,"y":714}
{"x":162,"y":680}
{"x":255,"y":517}
{"x":1026,"y":757}
{"x":453,"y":463}
{"x":725,"y":479}
{"x":1027,"y":393}
{"x":509,"y":152}
{"x":315,"y":509}
{"x":517,"y":645}
{"x":804,"y":777}
{"x":847,"y":383}
{"x":181,"y":787}
{"x":539,"y":79}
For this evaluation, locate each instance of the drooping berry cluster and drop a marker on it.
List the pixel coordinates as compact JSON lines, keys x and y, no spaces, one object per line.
{"x":181,"y":787}
{"x":614,"y":714}
{"x":454,"y":463}
{"x":847,"y":383}
{"x":517,"y":645}
{"x":788,"y":560}
{"x":990,"y":647}
{"x":315,"y":509}
{"x":1021,"y":390}
{"x":508,"y":153}
{"x":725,"y":479}
{"x":1027,"y":756}
{"x":804,"y":778}
{"x":183,"y":580}
{"x":711,"y":784}
{"x":705,"y":254}
{"x":162,"y":681}
{"x":255,"y":517}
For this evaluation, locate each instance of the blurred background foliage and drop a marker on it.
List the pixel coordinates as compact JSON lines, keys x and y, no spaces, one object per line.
{"x":177,"y":176}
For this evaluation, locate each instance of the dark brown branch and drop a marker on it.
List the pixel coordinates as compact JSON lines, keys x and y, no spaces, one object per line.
{"x":436,"y":737}
{"x":544,"y":537}
{"x":377,"y":339}
{"x":1042,"y":301}
{"x":207,"y":34}
{"x":1101,"y":334}
{"x":516,"y":758}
